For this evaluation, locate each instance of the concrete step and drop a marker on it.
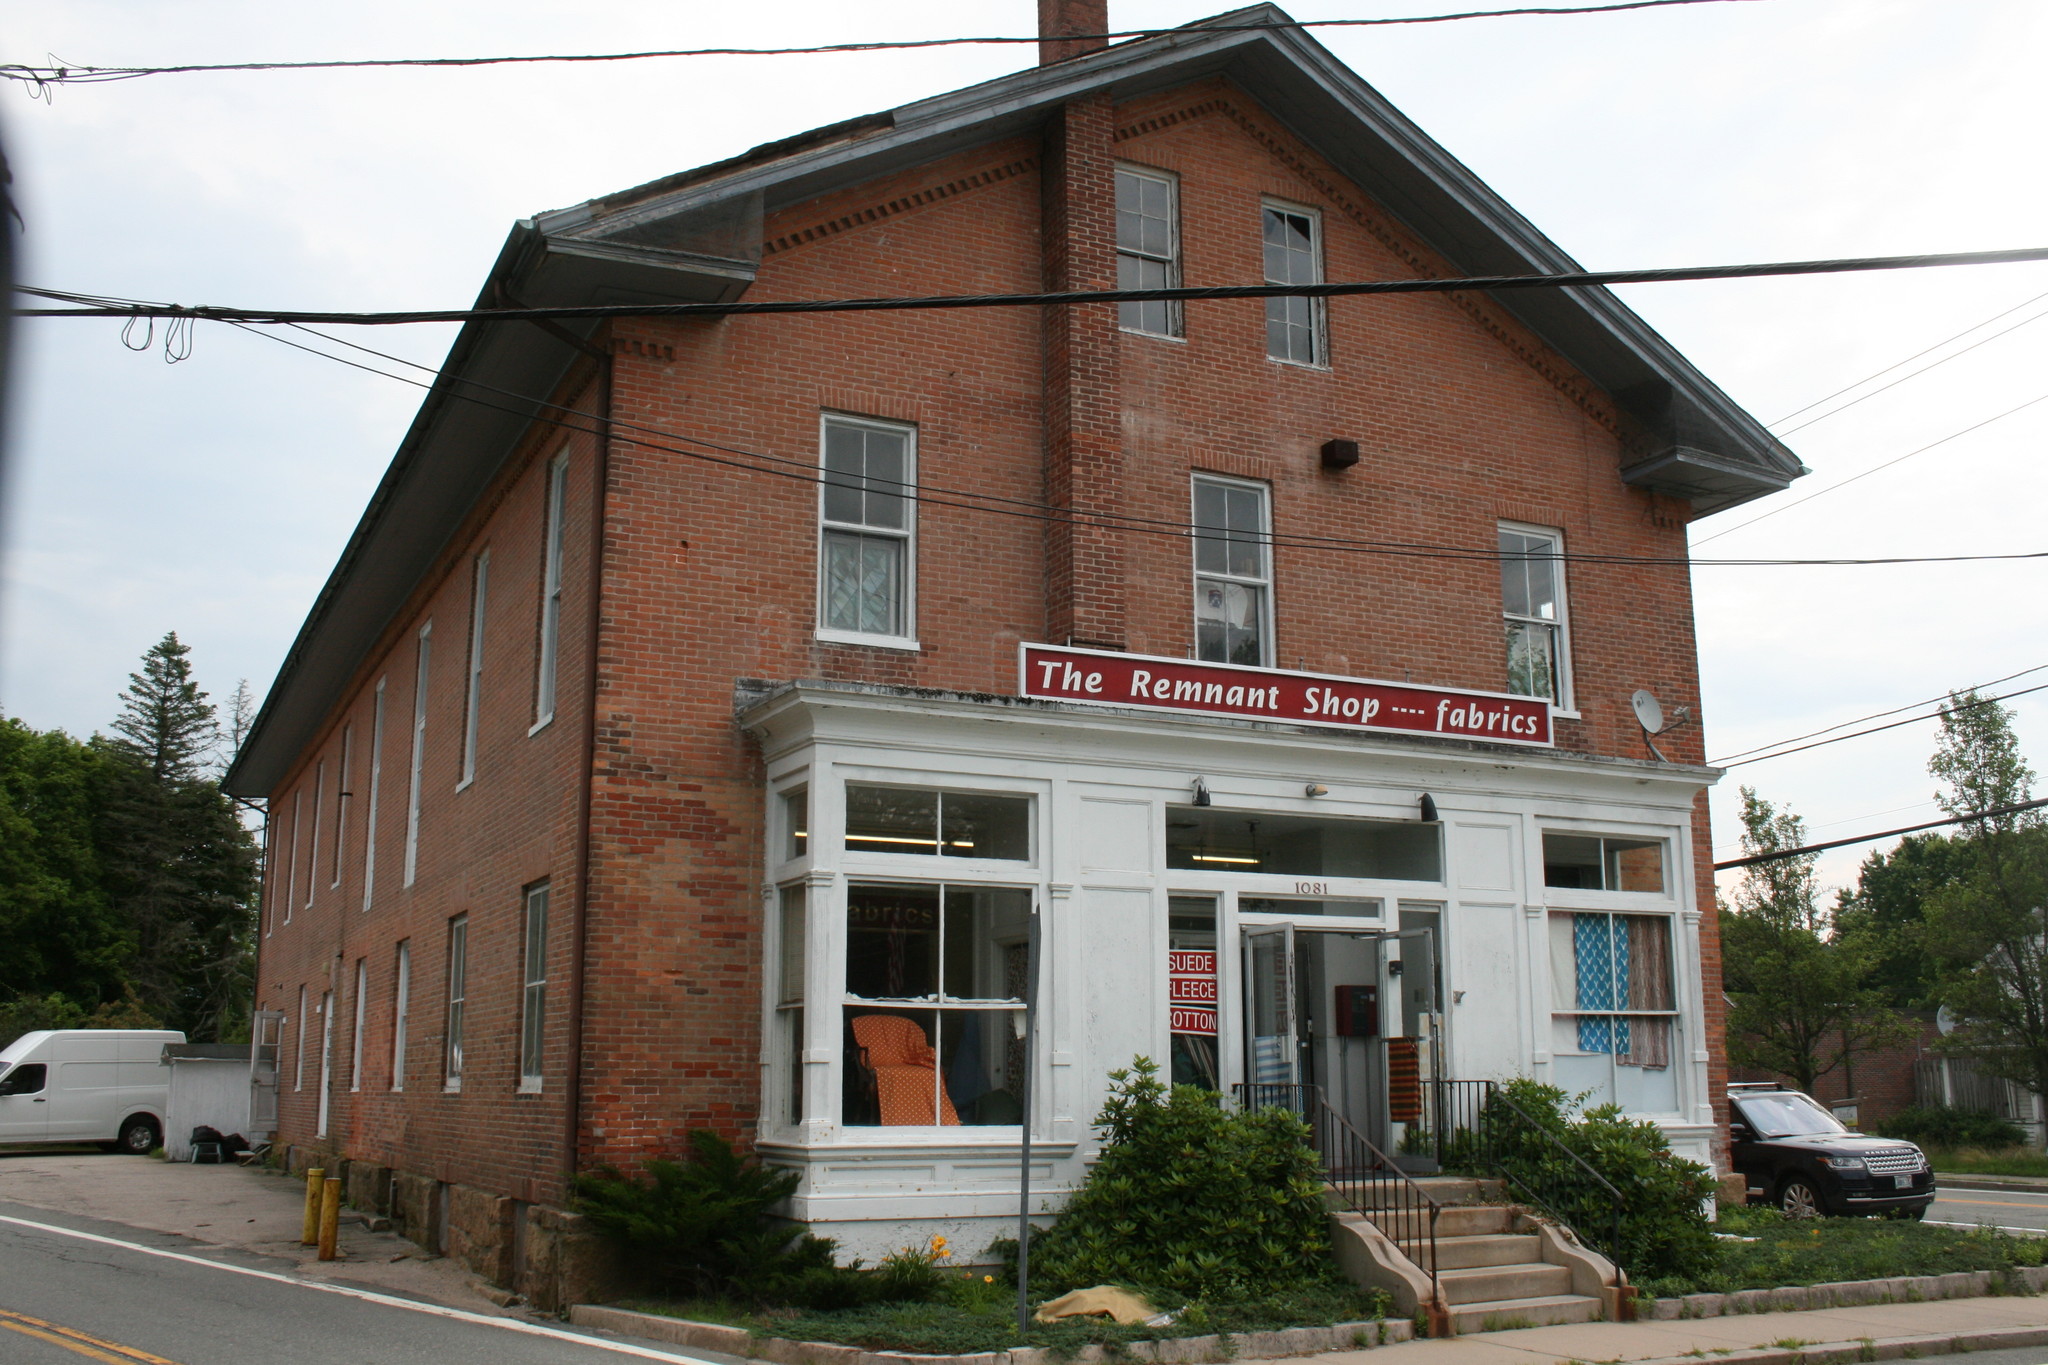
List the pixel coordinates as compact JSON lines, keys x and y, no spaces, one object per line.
{"x":1464,"y":1253}
{"x":1474,"y":1220}
{"x":1504,"y":1314}
{"x":1491,"y":1283}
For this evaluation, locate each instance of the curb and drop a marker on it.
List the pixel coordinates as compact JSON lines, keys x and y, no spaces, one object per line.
{"x":738,"y":1341}
{"x":1957,"y":1284}
{"x":1886,"y":1348}
{"x":2010,"y":1184}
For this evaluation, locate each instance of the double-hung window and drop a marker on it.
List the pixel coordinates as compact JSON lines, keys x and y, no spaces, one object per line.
{"x":458,"y":1000}
{"x":1294,"y":255}
{"x":867,"y":532}
{"x":1147,"y":250}
{"x":1532,"y":605}
{"x":548,"y":665}
{"x":473,"y":695}
{"x":419,"y":751}
{"x":533,"y":1004}
{"x":401,"y":1004}
{"x":1233,"y":573}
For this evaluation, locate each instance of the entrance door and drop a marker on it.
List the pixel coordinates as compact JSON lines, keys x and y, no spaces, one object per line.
{"x":25,"y":1103}
{"x":1272,"y":1045}
{"x":1413,"y":1027}
{"x":266,"y":1034}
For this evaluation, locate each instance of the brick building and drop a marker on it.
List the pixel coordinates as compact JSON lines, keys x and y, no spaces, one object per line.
{"x":653,"y":759}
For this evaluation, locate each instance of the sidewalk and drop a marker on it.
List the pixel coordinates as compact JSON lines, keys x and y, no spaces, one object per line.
{"x":1887,"y":1331}
{"x":241,"y":1207}
{"x":2012,"y":1184}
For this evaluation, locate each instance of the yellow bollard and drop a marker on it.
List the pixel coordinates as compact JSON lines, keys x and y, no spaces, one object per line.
{"x":330,"y":1217}
{"x":311,"y":1232}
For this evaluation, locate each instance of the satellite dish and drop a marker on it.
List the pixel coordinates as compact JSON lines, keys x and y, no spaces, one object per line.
{"x":1945,"y":1021}
{"x":1649,"y":711}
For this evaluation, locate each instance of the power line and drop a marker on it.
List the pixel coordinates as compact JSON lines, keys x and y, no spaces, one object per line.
{"x":1910,"y":720}
{"x":72,"y":74}
{"x":97,"y":306}
{"x":807,"y":471}
{"x":1885,"y":388}
{"x":1805,"y":849}
{"x":1874,"y":715}
{"x":1828,"y":398}
{"x":1875,"y":469}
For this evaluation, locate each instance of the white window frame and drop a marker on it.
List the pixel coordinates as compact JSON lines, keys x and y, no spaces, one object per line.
{"x":1562,"y":702}
{"x":419,"y":752}
{"x":319,"y":814}
{"x":458,"y":1003}
{"x":1318,"y":310}
{"x":376,"y":787}
{"x":270,"y":871}
{"x":472,"y":699}
{"x":299,"y":1064}
{"x":401,"y":1003}
{"x":341,"y":799}
{"x":1176,"y":320}
{"x":907,"y":536}
{"x":291,"y":881}
{"x":355,"y":1057}
{"x":533,"y":994}
{"x":1267,"y":645}
{"x":547,"y":665}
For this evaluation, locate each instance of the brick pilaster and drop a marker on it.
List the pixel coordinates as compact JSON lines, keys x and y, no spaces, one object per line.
{"x":1085,"y":589}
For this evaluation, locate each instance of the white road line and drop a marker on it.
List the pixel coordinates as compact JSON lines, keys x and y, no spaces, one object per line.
{"x":370,"y":1296}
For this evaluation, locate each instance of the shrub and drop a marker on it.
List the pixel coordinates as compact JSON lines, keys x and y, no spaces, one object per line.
{"x":1664,"y":1230}
{"x":704,"y":1228}
{"x":1941,"y":1125}
{"x":1190,"y":1199}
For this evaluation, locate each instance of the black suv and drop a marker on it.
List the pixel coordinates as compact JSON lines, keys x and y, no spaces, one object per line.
{"x":1796,"y":1155}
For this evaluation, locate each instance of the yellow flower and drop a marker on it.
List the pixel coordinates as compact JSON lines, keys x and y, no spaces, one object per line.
{"x":988,"y":1279}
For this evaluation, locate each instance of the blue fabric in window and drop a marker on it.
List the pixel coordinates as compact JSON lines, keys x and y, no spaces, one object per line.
{"x":1600,"y":945}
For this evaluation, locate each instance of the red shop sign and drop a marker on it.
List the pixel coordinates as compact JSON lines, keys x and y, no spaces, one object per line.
{"x":1147,"y":682}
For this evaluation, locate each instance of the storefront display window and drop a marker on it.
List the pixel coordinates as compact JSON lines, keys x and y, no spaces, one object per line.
{"x":1192,"y":990}
{"x":1208,"y":839}
{"x":944,"y":824}
{"x":1613,"y":1006}
{"x":934,"y":1020}
{"x":789,"y":994}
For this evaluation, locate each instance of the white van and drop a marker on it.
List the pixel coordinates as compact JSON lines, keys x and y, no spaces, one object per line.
{"x":86,"y":1085}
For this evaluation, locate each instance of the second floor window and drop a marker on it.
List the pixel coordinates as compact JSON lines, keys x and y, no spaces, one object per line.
{"x":867,"y":529}
{"x":1233,"y":574}
{"x":1294,"y":255}
{"x":1532,"y":603}
{"x":1147,"y":250}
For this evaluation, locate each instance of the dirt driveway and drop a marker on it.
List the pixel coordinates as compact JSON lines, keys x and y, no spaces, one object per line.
{"x":244,"y":1207}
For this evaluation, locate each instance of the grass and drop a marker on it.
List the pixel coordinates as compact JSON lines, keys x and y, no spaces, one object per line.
{"x":977,"y":1317}
{"x":1983,"y":1161}
{"x":1824,"y":1250}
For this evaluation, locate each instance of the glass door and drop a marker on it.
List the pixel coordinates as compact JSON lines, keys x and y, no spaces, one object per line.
{"x":1413,"y":1032}
{"x":1272,"y":1053}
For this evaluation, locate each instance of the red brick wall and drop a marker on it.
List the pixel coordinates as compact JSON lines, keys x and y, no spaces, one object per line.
{"x":710,"y":575}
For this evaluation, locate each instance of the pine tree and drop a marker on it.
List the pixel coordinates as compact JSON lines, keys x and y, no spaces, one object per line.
{"x":179,"y":867}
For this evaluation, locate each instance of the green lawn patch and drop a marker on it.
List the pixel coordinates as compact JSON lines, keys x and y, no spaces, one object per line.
{"x":1988,"y":1161}
{"x":980,"y":1315}
{"x":1825,"y":1250}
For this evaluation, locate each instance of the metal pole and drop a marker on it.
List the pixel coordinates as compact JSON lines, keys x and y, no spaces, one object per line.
{"x":1024,"y":1161}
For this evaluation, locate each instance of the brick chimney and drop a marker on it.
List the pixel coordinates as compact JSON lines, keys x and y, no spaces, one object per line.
{"x":1059,"y":18}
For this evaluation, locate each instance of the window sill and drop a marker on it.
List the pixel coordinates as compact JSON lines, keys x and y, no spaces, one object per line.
{"x":465,"y":784}
{"x":852,"y":637}
{"x":1155,"y":336}
{"x":529,"y":1087}
{"x":451,"y":1087}
{"x":1565,"y":713}
{"x":1313,"y":366}
{"x":913,"y":1141}
{"x":543,"y":723}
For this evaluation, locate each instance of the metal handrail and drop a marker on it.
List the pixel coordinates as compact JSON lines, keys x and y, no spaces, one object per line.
{"x":1361,"y":1175}
{"x":1456,"y":1113}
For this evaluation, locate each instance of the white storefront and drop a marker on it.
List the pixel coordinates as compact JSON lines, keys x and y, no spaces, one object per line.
{"x":912,"y":834}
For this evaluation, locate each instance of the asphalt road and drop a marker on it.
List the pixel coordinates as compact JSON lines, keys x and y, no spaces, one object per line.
{"x":1999,"y":1208}
{"x":77,"y":1289}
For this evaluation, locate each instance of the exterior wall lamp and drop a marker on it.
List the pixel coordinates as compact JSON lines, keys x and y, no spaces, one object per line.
{"x":1429,"y":816}
{"x":1201,"y":792}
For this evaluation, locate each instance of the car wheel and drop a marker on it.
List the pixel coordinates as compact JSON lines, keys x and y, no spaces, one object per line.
{"x":1797,"y":1198}
{"x":138,"y":1136}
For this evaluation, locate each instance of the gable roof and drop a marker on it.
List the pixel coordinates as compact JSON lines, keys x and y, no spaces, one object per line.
{"x":696,"y":236}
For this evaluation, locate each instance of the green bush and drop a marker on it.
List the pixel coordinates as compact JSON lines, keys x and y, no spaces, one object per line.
{"x":1190,"y":1199}
{"x":704,"y":1228}
{"x":1941,"y":1125}
{"x":1774,"y":1250}
{"x":1664,"y":1230}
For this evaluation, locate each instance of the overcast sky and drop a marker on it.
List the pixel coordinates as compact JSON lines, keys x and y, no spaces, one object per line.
{"x":212,"y":496}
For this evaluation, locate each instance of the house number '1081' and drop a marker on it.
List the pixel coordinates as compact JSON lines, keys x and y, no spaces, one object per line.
{"x":1311,"y":888}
